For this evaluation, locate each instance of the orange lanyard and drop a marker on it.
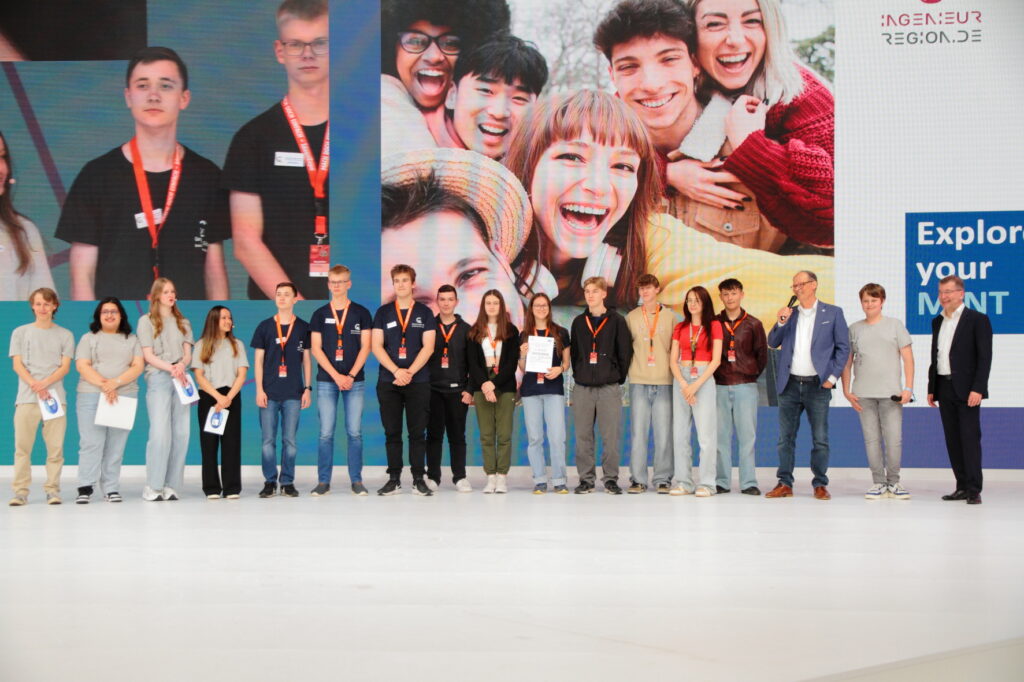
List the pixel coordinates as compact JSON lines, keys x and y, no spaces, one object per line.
{"x":142,"y":185}
{"x":651,"y":328}
{"x":404,"y":323}
{"x":693,"y":343}
{"x":732,"y":329}
{"x":317,"y":175}
{"x":447,"y":335}
{"x":339,"y":324}
{"x":283,"y":341}
{"x":494,"y":349}
{"x":593,"y":333}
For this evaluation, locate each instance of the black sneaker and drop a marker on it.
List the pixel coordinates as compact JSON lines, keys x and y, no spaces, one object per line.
{"x":663,"y":488}
{"x":636,"y":488}
{"x":288,"y":490}
{"x":720,"y":490}
{"x":84,"y":493}
{"x":612,"y":488}
{"x":113,"y":497}
{"x":269,"y":489}
{"x":321,"y":489}
{"x":752,"y":490}
{"x":419,"y":487}
{"x":584,"y":488}
{"x":392,"y":487}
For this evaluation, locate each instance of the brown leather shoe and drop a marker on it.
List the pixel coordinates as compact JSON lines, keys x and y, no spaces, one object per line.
{"x":781,"y":490}
{"x":821,"y":493}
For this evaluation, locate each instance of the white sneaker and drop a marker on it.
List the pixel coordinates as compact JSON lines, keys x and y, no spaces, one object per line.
{"x":430,"y":484}
{"x":678,"y":490}
{"x":150,"y":495}
{"x":213,"y":497}
{"x":502,"y":484}
{"x":464,"y":486}
{"x":898,"y":492}
{"x":492,"y":483}
{"x":704,"y":492}
{"x":877,"y":492}
{"x":170,"y":494}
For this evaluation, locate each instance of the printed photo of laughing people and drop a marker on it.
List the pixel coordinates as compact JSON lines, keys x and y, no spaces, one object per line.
{"x":691,"y":140}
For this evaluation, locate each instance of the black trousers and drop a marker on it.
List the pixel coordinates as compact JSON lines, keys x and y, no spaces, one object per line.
{"x":414,"y":401}
{"x":229,"y":482}
{"x":962,"y":427}
{"x":447,"y":415}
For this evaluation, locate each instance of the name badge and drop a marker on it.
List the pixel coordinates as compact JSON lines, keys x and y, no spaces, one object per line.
{"x":319,"y":260}
{"x":401,"y":353}
{"x":444,"y":362}
{"x":282,"y":372}
{"x":391,"y":325}
{"x":731,"y":356}
{"x":289,"y":159}
{"x":279,"y":340}
{"x":593,"y":358}
{"x":339,"y":355}
{"x":330,"y":320}
{"x":540,"y":378}
{"x":650,"y":361}
{"x":140,"y":218}
{"x":694,"y":373}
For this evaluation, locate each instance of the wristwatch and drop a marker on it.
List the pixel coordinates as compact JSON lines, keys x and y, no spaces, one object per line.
{"x":307,"y":388}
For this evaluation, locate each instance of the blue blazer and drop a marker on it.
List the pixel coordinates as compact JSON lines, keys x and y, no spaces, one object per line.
{"x":830,"y":344}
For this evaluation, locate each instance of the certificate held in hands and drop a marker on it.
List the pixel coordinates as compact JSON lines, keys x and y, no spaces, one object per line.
{"x":539,"y":351}
{"x":120,"y":415}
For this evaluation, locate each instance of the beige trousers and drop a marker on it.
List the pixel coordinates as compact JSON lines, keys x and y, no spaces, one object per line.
{"x":26,"y":421}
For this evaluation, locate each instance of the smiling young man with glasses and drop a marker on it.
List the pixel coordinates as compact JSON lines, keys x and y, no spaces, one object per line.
{"x":814,"y":351}
{"x":278,"y":163}
{"x":340,"y":342}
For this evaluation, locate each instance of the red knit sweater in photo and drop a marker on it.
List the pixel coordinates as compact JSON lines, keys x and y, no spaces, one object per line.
{"x":789,"y":165}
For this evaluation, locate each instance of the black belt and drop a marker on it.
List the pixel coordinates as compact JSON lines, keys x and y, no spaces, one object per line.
{"x":805,"y":380}
{"x":945,"y":377}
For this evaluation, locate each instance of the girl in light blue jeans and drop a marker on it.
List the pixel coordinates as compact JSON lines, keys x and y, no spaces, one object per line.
{"x":543,"y":397}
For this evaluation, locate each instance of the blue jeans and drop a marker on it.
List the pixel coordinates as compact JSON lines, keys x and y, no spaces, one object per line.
{"x":650,"y":406}
{"x":288,"y":412}
{"x":794,"y":399}
{"x":327,"y":393}
{"x":737,"y":406}
{"x":704,"y":417}
{"x":169,"y":428}
{"x":538,"y":411}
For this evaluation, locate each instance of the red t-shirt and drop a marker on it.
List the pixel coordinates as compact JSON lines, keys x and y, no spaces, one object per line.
{"x":681,"y":333}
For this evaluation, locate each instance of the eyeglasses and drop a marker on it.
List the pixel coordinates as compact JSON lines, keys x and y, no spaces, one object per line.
{"x":295,"y":48}
{"x":417,"y":42}
{"x":337,"y":282}
{"x":800,"y":285}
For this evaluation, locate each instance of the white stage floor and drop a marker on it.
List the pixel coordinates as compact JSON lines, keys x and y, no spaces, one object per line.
{"x":515,"y":587}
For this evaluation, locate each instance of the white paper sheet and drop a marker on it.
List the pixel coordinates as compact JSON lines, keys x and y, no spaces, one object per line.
{"x":120,"y":415}
{"x":539,"y":350}
{"x":50,"y":408}
{"x":188,"y":393}
{"x":216,"y":421}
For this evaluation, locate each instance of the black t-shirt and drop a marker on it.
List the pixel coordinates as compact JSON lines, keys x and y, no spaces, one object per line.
{"x":101,"y":210}
{"x":265,"y":337}
{"x":356,"y":322}
{"x":421,"y":320}
{"x":255,"y":164}
{"x":554,"y":386}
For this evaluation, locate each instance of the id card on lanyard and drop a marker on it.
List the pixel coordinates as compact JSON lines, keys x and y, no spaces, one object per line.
{"x":282,"y":340}
{"x":339,"y":324}
{"x":731,"y":328}
{"x":651,"y":330}
{"x":593,"y":334}
{"x":693,"y":351}
{"x":402,"y":353}
{"x":319,"y":251}
{"x":447,"y":338}
{"x":142,"y":186}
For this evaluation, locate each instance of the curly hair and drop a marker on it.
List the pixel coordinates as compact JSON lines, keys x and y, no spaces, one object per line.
{"x":472,"y":20}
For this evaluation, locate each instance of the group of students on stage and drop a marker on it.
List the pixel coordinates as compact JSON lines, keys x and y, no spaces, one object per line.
{"x":700,"y":372}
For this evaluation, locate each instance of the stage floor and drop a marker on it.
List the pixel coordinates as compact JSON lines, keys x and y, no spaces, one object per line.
{"x":515,"y":587}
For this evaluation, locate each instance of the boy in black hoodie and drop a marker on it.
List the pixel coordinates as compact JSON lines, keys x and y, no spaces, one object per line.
{"x":601,"y":349}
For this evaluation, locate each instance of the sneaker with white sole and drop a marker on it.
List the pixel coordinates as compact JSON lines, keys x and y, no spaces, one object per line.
{"x":898,"y":492}
{"x":84,"y":493}
{"x":53,"y":498}
{"x":150,"y":495}
{"x":432,"y":484}
{"x":392,"y":487}
{"x":704,"y":491}
{"x":232,"y":496}
{"x":320,"y":489}
{"x":464,"y":486}
{"x":877,"y":492}
{"x":419,"y":487}
{"x":359,"y":489}
{"x":170,"y":494}
{"x":213,"y":496}
{"x":492,"y":484}
{"x":678,"y":490}
{"x":113,"y":497}
{"x":501,"y":484}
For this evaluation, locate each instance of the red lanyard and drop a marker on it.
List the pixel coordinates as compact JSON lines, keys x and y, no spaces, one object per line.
{"x":494,"y":349}
{"x":594,"y":333}
{"x":732,"y":329}
{"x":142,"y":184}
{"x":447,"y":335}
{"x":693,"y":343}
{"x":652,"y":328}
{"x":339,"y":324}
{"x":283,"y":341}
{"x":404,"y":323}
{"x":317,"y":176}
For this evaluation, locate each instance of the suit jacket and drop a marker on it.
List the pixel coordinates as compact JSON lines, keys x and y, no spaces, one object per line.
{"x":970,"y":354}
{"x":830,"y":344}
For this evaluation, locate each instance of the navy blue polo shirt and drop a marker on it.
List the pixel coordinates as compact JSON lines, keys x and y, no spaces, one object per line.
{"x":420,"y":320}
{"x":356,"y":322}
{"x":265,"y":338}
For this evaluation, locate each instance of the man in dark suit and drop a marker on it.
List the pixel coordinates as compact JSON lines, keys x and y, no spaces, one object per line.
{"x":814,"y":348}
{"x":958,"y":381}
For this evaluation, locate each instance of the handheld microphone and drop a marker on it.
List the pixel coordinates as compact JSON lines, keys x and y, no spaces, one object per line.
{"x":792,"y":301}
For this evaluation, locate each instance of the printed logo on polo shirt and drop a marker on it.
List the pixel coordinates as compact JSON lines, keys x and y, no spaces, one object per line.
{"x":200,"y":239}
{"x":418,"y":322}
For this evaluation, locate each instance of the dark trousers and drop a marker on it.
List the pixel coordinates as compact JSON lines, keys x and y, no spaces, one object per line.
{"x":962,"y":427}
{"x":447,"y":415}
{"x":229,"y":480}
{"x":414,"y":401}
{"x":803,"y":394}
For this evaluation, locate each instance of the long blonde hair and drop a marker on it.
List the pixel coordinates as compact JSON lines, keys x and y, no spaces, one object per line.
{"x":610,"y":121}
{"x":155,"y":318}
{"x":777,"y":78}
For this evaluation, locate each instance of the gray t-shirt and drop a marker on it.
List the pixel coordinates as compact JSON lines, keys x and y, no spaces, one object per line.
{"x":41,"y":351}
{"x":110,"y":355}
{"x":877,"y":369}
{"x":222,"y":368}
{"x":167,"y":346}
